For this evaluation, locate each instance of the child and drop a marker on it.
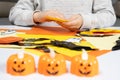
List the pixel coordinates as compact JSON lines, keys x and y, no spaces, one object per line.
{"x":78,"y":14}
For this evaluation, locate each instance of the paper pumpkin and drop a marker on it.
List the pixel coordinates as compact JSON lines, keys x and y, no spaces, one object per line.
{"x":20,"y":64}
{"x":84,"y":65}
{"x":52,"y":65}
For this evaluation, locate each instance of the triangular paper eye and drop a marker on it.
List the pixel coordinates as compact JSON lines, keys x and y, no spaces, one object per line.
{"x":84,"y":65}
{"x":52,"y":65}
{"x":20,"y":64}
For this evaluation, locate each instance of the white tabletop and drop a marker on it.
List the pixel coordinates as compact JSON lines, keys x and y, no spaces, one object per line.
{"x":109,"y":68}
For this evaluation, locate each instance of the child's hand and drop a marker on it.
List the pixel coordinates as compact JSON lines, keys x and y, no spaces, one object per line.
{"x":44,"y":16}
{"x":74,"y":23}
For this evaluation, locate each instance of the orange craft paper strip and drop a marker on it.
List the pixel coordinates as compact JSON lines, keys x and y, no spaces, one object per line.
{"x":10,"y":39}
{"x":56,"y":19}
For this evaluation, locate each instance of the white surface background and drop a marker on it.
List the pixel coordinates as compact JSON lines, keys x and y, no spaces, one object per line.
{"x":109,"y":67}
{"x":14,"y":27}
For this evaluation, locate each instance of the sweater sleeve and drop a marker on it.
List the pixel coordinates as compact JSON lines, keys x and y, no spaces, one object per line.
{"x":102,"y":15}
{"x":22,"y":13}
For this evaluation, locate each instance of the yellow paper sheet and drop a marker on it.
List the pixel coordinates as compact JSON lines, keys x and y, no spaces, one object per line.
{"x":103,"y":43}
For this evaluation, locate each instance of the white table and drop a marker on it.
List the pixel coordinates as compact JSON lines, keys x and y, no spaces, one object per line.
{"x":109,"y":67}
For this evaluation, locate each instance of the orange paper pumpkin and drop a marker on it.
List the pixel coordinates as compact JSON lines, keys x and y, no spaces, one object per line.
{"x":52,"y":66}
{"x":84,"y":65}
{"x":20,"y":64}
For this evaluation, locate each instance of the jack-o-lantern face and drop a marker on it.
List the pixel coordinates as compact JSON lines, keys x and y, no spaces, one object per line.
{"x":85,"y":68}
{"x":52,"y":66}
{"x":82,"y":67}
{"x":20,"y":66}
